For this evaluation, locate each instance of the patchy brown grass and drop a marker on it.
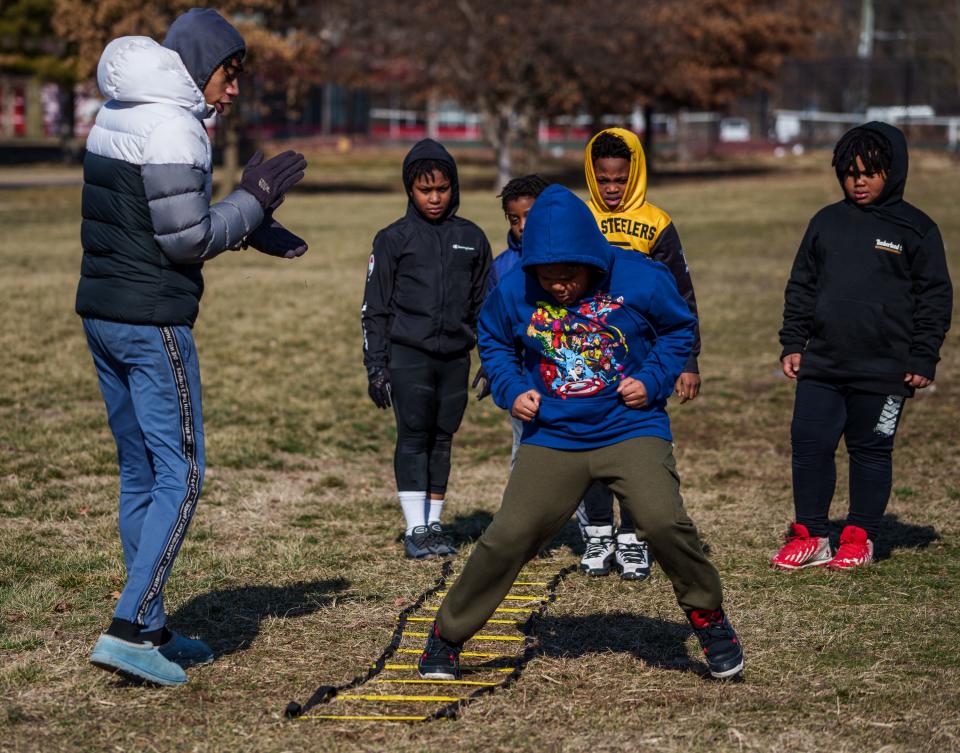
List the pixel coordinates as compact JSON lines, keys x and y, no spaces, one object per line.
{"x":292,"y":570}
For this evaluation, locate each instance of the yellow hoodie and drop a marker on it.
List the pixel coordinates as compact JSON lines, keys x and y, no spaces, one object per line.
{"x":636,"y":223}
{"x":639,"y":225}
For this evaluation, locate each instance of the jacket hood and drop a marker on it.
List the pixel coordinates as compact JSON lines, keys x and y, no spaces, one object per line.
{"x":890,"y":205}
{"x":560,"y":229}
{"x":204,"y":40}
{"x":899,"y":162}
{"x":430,"y":149}
{"x":137,"y":69}
{"x":635,"y":192}
{"x":513,"y":244}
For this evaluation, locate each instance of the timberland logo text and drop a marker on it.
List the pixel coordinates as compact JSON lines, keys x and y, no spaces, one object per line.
{"x":889,"y":246}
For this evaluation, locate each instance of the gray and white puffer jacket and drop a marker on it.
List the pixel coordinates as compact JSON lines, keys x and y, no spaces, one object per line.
{"x":148,"y":224}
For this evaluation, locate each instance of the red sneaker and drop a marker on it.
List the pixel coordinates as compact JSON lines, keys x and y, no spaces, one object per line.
{"x":802,"y":550}
{"x":855,"y":549}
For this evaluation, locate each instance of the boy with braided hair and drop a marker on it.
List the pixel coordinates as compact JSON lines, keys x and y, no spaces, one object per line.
{"x":516,"y":198}
{"x":616,"y":174}
{"x":866,"y":309}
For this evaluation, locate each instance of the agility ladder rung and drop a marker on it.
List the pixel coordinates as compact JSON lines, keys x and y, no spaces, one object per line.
{"x":352,"y":718}
{"x":509,"y":597}
{"x":473,"y":654}
{"x":417,"y":634}
{"x":488,"y":622}
{"x":477,"y":683}
{"x":467,"y":669}
{"x":400,"y":698}
{"x":505,"y":610}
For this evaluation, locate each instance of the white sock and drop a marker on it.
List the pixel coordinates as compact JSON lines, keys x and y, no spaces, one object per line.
{"x":434,"y":508}
{"x":414,"y":513}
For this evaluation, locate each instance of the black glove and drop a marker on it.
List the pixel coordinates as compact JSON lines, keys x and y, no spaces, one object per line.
{"x":268,"y":181}
{"x":379,"y":387}
{"x":483,"y":381}
{"x":274,"y":239}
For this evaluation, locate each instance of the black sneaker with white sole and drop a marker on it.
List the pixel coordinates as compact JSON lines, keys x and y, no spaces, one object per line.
{"x":440,"y":541}
{"x":417,"y":544}
{"x":440,"y":659}
{"x":719,"y":642}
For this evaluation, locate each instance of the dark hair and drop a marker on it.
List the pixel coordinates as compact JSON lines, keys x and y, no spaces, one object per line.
{"x":231,"y":69}
{"x":871,"y":147}
{"x":419,"y":168}
{"x":527,"y":185}
{"x":609,"y":145}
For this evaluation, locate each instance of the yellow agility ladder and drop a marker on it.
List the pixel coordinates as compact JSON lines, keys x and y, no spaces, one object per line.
{"x":498,"y":662}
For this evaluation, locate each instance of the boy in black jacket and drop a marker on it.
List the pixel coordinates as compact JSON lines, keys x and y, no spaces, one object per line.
{"x":867,"y":306}
{"x":425,"y":284}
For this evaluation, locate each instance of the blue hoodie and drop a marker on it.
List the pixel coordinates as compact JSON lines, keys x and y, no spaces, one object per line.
{"x":504,"y":262}
{"x":632,"y":322}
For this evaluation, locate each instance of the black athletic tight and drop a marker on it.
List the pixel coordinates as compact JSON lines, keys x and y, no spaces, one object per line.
{"x":429,"y":398}
{"x":868,"y":422}
{"x":598,"y":508}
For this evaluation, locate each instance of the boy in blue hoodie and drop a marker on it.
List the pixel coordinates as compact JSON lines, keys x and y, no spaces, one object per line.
{"x":583,"y":343}
{"x":517,"y":199}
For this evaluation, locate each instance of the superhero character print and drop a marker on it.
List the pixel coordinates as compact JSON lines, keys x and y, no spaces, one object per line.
{"x":582,"y":352}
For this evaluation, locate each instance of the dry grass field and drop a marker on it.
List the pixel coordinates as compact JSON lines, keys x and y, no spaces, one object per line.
{"x":292,"y":570}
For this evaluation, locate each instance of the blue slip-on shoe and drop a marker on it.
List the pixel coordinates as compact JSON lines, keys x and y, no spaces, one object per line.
{"x":187,"y":652}
{"x":140,"y":661}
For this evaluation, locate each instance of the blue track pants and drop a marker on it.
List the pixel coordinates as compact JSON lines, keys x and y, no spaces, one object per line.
{"x":150,"y":380}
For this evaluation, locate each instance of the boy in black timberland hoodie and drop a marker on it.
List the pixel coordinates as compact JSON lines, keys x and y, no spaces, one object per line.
{"x":425,"y":284}
{"x":867,"y":306}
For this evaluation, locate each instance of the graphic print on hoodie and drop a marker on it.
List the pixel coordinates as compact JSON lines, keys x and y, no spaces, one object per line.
{"x":425,"y":280}
{"x":641,"y":226}
{"x":631,"y":322}
{"x":869,"y":297}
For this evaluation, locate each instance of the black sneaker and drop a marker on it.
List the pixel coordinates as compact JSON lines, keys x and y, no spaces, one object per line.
{"x":417,"y":544}
{"x":440,"y":659}
{"x":440,"y":542}
{"x":720,"y":644}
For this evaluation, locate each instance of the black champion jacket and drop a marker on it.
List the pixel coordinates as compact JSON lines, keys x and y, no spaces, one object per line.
{"x":869,"y":298}
{"x":425,"y":280}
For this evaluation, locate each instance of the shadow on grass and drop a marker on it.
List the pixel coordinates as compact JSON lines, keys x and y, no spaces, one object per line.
{"x":465,"y":529}
{"x":893,"y":534}
{"x":655,"y":642}
{"x":229,"y":619}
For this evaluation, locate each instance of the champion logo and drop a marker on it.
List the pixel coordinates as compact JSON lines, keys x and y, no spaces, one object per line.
{"x":458,"y":247}
{"x":890,"y":246}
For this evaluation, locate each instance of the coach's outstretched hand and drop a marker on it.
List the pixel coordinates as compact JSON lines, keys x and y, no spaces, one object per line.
{"x":379,"y":388}
{"x":269,"y":181}
{"x":274,"y":239}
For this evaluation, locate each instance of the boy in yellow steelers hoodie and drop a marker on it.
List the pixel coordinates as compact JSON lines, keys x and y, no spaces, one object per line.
{"x":616,"y":173}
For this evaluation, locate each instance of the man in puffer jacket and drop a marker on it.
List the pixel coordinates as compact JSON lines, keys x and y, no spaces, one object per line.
{"x":148,"y":226}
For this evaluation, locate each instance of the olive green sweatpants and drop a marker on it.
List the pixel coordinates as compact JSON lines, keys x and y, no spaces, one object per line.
{"x":545,"y":487}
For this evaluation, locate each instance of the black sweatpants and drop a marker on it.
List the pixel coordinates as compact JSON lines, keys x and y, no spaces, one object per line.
{"x":868,"y":422}
{"x":598,"y":509}
{"x":429,"y":398}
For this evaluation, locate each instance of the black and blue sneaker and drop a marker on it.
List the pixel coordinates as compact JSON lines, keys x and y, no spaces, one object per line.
{"x":417,"y":544}
{"x":440,"y":541}
{"x":440,"y":659}
{"x":719,"y":642}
